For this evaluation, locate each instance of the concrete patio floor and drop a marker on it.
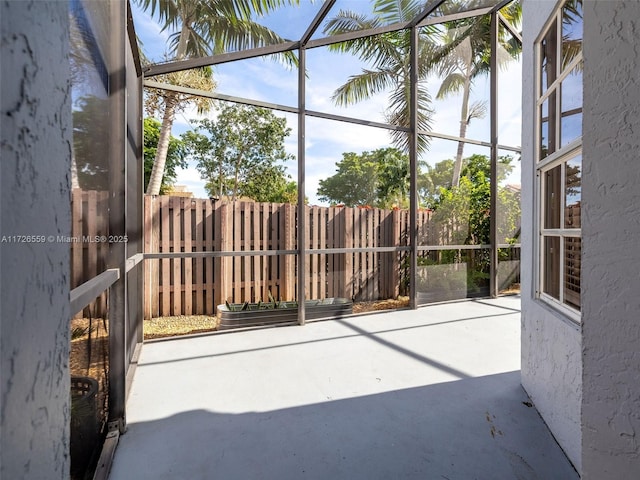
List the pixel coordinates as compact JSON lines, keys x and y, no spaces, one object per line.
{"x":427,"y":394}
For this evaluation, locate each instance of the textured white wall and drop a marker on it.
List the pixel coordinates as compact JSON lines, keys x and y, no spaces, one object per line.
{"x":611,"y":241}
{"x":36,"y":154}
{"x":551,"y":346}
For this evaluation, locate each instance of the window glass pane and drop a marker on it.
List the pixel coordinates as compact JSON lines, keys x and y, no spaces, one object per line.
{"x":548,"y":126}
{"x":445,"y":275}
{"x":548,"y":57}
{"x":571,"y":31}
{"x":552,"y":198}
{"x":551,"y":274}
{"x":572,"y":248}
{"x":572,"y":192}
{"x":571,"y":105}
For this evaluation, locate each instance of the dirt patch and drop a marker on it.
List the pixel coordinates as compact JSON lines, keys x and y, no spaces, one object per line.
{"x":180,"y":325}
{"x":364,"y":307}
{"x":512,"y":290}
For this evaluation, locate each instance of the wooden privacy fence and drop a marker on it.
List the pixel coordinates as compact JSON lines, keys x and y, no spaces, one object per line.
{"x":89,"y":225}
{"x":195,"y":286}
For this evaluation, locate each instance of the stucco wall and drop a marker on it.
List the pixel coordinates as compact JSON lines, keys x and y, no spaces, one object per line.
{"x":551,"y":345}
{"x":611,"y":241}
{"x":35,"y":166}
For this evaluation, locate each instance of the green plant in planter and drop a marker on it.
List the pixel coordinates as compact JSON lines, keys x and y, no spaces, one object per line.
{"x":272,"y":304}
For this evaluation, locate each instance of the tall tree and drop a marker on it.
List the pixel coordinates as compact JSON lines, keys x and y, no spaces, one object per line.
{"x":166,"y":104}
{"x":379,"y":179}
{"x":204,"y":28}
{"x":239,"y":152}
{"x":176,"y":154}
{"x":389,"y":55}
{"x":463,"y":55}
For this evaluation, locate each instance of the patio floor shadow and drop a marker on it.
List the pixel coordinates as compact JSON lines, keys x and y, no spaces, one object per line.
{"x":413,"y":395}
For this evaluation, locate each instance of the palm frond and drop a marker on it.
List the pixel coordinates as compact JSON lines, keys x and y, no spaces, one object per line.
{"x":363,"y":86}
{"x":478,"y":109}
{"x":451,"y":84}
{"x":346,"y":21}
{"x":394,"y":11}
{"x":398,"y":113}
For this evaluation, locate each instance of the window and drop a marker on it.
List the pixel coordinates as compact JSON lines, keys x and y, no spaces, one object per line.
{"x":559,"y":157}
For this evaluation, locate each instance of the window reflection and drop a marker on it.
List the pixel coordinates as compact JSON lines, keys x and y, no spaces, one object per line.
{"x":571,"y":31}
{"x":552,"y":198}
{"x":571,"y":105}
{"x":571,"y":293}
{"x":572,"y":193}
{"x":551,"y":284}
{"x":548,"y":126}
{"x":548,"y":57}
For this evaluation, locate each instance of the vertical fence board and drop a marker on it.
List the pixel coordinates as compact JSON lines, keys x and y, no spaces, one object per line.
{"x":187,"y":246}
{"x":224,"y":265}
{"x":289,"y":264}
{"x":348,"y":259}
{"x":256,"y":245}
{"x":165,"y":263}
{"x":246,"y":285}
{"x":176,"y":286}
{"x":211,"y":266}
{"x":277,"y":269}
{"x":264,"y":240}
{"x":198,"y":245}
{"x":322,"y":243}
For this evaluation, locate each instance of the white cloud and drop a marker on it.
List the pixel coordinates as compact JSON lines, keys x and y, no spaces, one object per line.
{"x":326,"y":140}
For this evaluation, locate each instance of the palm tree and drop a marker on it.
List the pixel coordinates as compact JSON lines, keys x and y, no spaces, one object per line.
{"x":204,"y":27}
{"x":465,"y":54}
{"x":168,"y":103}
{"x":389,"y":54}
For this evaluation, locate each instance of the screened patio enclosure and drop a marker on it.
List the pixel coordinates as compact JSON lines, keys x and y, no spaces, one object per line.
{"x":447,"y":229}
{"x":418,"y":243}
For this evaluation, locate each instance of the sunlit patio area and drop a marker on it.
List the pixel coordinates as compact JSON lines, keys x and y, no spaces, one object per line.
{"x":432,"y":393}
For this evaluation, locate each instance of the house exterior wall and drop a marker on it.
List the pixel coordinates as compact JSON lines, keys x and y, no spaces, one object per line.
{"x":611,"y":241}
{"x":551,"y":345}
{"x":36,"y":156}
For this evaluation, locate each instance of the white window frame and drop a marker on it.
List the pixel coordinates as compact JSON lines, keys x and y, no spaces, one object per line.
{"x":560,"y":156}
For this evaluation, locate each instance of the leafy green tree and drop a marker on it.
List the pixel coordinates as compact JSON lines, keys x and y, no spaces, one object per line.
{"x":238,"y":153}
{"x":432,"y":179}
{"x":388,"y":54}
{"x":462,"y":213}
{"x":176,"y":155}
{"x":355,"y":182}
{"x":379,"y":178}
{"x":203,"y":28}
{"x":270,"y":183}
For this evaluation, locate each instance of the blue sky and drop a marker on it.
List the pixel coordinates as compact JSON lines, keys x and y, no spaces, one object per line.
{"x":262,"y":79}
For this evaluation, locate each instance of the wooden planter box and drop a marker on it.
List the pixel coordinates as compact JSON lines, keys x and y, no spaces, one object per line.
{"x":287,"y":312}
